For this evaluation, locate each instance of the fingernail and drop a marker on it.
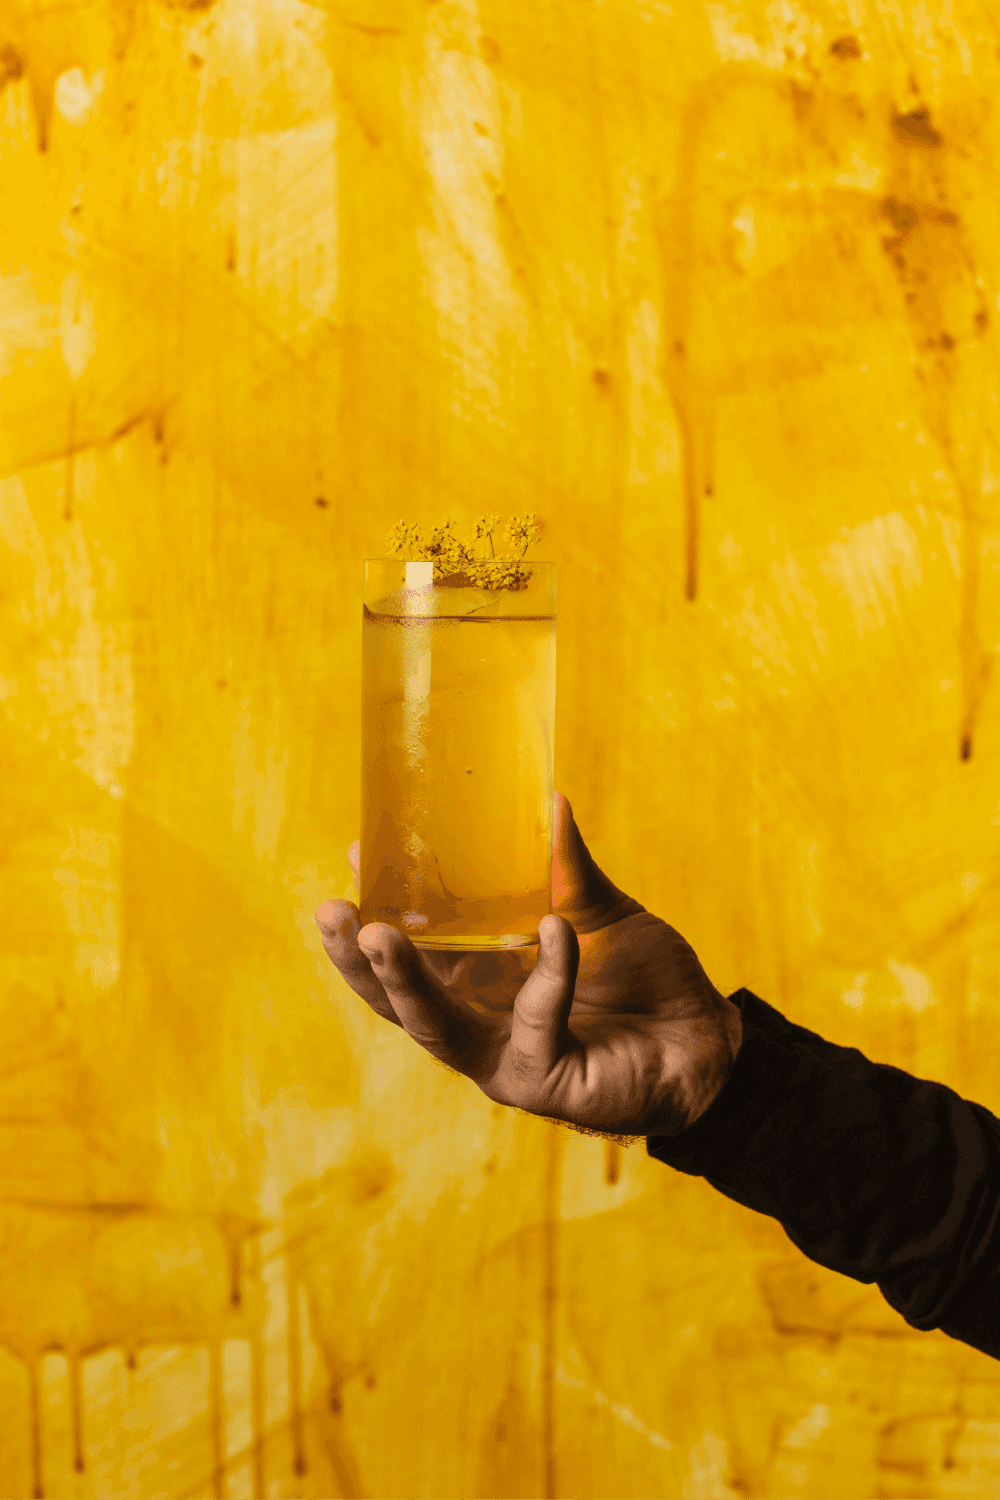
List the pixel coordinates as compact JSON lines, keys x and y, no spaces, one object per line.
{"x":374,"y":954}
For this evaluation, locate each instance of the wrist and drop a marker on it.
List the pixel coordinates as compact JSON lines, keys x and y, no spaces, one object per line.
{"x":709,"y":1076}
{"x":732,"y":1017}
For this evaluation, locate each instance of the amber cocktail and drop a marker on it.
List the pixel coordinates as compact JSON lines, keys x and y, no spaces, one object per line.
{"x":458,"y":720}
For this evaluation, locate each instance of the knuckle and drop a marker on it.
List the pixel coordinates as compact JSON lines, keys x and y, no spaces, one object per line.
{"x":521,"y":1068}
{"x":546,"y":975}
{"x":535,"y":1019}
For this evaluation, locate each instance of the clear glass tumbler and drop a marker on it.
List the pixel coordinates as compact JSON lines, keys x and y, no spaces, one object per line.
{"x":458,"y":723}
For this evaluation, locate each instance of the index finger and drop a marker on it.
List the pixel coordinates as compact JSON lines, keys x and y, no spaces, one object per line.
{"x":439,"y":1022}
{"x":581,"y":892}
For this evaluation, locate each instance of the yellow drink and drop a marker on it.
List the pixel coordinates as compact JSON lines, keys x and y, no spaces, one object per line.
{"x":458,"y":719}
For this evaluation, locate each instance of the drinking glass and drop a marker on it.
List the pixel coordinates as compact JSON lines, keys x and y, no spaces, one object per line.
{"x":457,"y":730}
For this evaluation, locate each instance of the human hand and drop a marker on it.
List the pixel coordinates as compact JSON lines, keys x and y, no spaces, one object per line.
{"x":615,"y":1029}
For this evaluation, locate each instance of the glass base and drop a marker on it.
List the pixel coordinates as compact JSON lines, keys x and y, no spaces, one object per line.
{"x":476,"y":943}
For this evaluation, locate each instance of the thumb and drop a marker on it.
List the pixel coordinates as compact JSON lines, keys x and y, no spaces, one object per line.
{"x":540,"y":1024}
{"x":581,"y":891}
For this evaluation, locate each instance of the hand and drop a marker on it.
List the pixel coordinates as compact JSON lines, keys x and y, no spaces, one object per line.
{"x":616,"y":1029}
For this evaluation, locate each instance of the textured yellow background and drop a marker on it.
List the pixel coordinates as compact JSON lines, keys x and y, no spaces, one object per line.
{"x":712,"y":287}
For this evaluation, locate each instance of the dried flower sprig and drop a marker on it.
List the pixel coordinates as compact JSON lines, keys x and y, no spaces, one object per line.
{"x":456,"y":564}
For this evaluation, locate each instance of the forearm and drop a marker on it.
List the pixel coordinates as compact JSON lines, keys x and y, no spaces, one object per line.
{"x":878,"y":1175}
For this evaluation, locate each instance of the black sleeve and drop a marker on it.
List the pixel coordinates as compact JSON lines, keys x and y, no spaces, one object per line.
{"x":876,"y":1174}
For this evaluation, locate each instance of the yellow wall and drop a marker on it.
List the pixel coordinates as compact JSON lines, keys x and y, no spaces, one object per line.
{"x":712,"y":287}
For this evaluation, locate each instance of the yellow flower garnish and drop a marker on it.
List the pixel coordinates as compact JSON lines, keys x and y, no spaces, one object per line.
{"x":456,"y":563}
